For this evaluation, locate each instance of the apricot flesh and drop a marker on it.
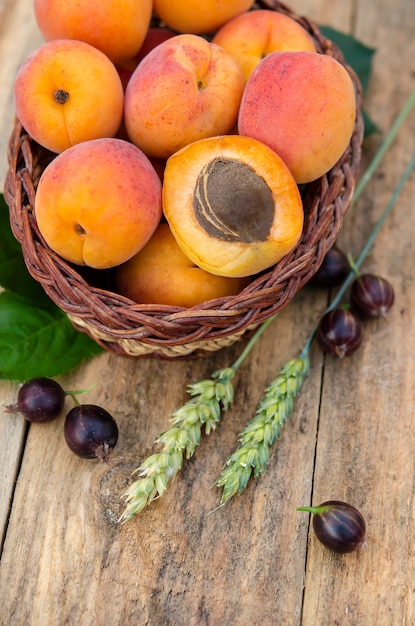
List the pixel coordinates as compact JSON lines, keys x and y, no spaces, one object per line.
{"x":253,"y":35}
{"x":198,"y":16}
{"x":117,"y":28}
{"x":162,"y":274}
{"x":66,"y":92}
{"x":98,"y":202}
{"x":183,"y":90}
{"x":303,"y":106}
{"x":237,"y":210}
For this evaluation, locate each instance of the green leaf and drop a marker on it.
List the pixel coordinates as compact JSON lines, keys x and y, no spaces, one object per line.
{"x":38,"y":342}
{"x":14,"y":275}
{"x":359,"y":57}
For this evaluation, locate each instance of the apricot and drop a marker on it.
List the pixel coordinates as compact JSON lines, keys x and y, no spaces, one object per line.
{"x":183,"y":90}
{"x":253,"y":35}
{"x":303,"y":106}
{"x":162,"y":274}
{"x":199,"y":16}
{"x":117,"y":28}
{"x":232,"y":205}
{"x":98,"y":203}
{"x":67,"y":92}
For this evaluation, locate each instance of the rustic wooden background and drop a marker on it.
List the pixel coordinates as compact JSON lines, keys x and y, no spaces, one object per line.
{"x":65,"y":560}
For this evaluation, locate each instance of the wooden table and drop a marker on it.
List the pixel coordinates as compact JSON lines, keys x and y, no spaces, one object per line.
{"x":65,"y":560}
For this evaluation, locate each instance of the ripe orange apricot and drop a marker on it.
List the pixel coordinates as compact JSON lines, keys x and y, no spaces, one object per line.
{"x":199,"y":16}
{"x":162,"y":274}
{"x":98,"y":202}
{"x":302,"y":105}
{"x":116,"y":27}
{"x":183,"y":90}
{"x":253,"y":35}
{"x":67,"y":92}
{"x":232,"y":205}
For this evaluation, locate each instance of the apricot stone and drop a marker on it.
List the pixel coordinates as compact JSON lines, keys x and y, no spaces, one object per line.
{"x":117,"y":28}
{"x":98,"y":203}
{"x":253,"y":35}
{"x":237,"y":209}
{"x":183,"y":90}
{"x":67,"y":92}
{"x":162,"y":274}
{"x":303,"y":106}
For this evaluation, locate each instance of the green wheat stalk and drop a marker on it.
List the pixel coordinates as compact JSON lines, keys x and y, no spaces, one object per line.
{"x":212,"y":396}
{"x":208,"y":398}
{"x":261,"y":432}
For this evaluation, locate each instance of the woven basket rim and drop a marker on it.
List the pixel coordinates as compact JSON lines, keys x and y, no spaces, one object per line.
{"x":128,"y":328}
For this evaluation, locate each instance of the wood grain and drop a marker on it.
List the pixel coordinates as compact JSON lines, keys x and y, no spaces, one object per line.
{"x":66,"y":560}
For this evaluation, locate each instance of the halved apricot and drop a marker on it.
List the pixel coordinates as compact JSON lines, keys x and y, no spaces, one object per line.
{"x":232,"y":205}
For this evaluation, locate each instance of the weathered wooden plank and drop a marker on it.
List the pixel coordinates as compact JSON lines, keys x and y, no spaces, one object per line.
{"x":366,"y":440}
{"x":65,"y":560}
{"x":18,"y":36}
{"x":178,"y":562}
{"x":12,"y":433}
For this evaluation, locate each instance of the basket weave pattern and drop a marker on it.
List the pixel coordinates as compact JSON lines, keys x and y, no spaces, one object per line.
{"x":131,"y":329}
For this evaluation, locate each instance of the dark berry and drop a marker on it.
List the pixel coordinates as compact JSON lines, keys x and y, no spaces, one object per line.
{"x":338,"y":525}
{"x":339,"y":332}
{"x":90,"y":431}
{"x":372,"y":295}
{"x":333,"y":270}
{"x":39,"y":400}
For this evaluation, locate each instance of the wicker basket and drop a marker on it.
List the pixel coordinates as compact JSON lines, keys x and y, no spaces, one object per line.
{"x":131,"y":329}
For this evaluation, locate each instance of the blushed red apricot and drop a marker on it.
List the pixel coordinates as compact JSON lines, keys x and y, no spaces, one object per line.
{"x":183,"y":90}
{"x":236,"y":210}
{"x":162,"y":274}
{"x":303,"y":106}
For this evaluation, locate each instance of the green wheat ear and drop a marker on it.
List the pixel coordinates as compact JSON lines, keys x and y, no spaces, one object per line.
{"x":263,"y":430}
{"x":208,"y":399}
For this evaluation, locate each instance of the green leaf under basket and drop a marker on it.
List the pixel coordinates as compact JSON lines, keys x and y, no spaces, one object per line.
{"x":38,"y":342}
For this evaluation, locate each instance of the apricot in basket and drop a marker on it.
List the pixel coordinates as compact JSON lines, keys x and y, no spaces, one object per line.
{"x":232,"y":205}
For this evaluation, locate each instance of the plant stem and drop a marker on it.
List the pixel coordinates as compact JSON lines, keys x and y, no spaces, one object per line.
{"x":209,"y":397}
{"x":366,"y":248}
{"x":259,"y":331}
{"x":252,"y":454}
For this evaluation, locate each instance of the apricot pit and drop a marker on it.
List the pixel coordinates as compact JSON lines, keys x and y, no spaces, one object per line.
{"x":229,"y":196}
{"x":237,"y":210}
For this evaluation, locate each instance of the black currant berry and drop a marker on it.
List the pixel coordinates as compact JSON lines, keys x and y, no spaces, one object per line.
{"x":339,"y":332}
{"x":90,"y":431}
{"x":39,"y":400}
{"x":372,"y":295}
{"x":333,"y":270}
{"x":338,"y":525}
